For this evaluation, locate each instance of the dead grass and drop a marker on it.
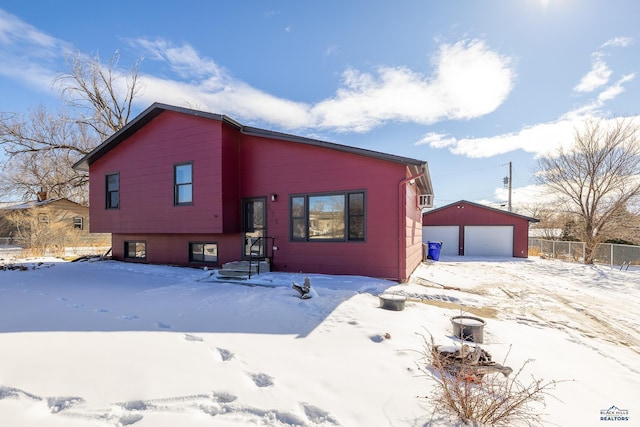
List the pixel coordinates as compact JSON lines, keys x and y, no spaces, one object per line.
{"x":478,"y":311}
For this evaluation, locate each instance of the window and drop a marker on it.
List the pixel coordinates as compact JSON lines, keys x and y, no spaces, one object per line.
{"x":203,"y":252}
{"x":183,"y":184}
{"x":113,"y":191}
{"x":328,"y":217}
{"x":43,"y":218}
{"x":135,"y":250}
{"x":78,"y":223}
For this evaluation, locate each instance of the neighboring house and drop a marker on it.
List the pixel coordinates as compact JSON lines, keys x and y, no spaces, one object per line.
{"x":46,"y":223}
{"x":186,"y":187}
{"x":471,"y":229}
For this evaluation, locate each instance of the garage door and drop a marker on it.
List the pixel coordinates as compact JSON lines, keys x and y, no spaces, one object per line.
{"x":488,"y":240}
{"x":447,"y":234}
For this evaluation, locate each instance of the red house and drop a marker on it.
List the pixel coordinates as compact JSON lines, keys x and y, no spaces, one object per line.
{"x":186,"y":187}
{"x":471,"y":229}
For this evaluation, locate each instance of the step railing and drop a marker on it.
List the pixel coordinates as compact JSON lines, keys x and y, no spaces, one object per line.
{"x":268,"y":252}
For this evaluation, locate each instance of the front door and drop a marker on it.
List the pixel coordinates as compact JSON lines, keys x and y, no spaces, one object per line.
{"x":254,"y":222}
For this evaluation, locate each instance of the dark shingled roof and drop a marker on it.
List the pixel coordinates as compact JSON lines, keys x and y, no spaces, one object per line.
{"x":416,"y":166}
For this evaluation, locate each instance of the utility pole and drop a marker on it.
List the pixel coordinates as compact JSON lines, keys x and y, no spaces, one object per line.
{"x":507,"y":183}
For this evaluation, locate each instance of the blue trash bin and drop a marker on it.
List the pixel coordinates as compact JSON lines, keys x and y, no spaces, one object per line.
{"x":434,"y":250}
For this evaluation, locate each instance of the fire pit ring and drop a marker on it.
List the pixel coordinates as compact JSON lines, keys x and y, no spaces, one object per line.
{"x":468,"y":328}
{"x":392,"y":302}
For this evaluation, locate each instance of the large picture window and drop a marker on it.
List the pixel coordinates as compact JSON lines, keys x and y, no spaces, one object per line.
{"x":183,"y":184}
{"x":203,"y":252}
{"x":328,"y":217}
{"x":135,"y":249}
{"x":113,"y":191}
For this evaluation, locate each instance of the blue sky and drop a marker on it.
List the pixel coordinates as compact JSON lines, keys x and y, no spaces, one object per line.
{"x":467,"y":86}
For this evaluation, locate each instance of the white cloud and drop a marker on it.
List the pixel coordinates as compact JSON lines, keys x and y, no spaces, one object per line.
{"x":15,"y":31}
{"x":543,"y":138}
{"x":437,"y":140}
{"x":618,"y":42}
{"x":28,"y":55}
{"x":600,"y":73}
{"x":539,"y":138}
{"x":598,"y":76}
{"x":470,"y":81}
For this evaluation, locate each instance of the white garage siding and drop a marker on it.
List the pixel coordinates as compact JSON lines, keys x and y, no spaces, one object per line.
{"x":488,"y":240}
{"x":447,"y":234}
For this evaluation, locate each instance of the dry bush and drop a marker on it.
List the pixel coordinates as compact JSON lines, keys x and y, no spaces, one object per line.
{"x":489,"y":399}
{"x":534,"y":251}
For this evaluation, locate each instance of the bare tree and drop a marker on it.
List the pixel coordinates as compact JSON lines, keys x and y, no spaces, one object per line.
{"x":597,"y":179}
{"x":41,"y":150}
{"x":102,"y":96}
{"x":42,"y":147}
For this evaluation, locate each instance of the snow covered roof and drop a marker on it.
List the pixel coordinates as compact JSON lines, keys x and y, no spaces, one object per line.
{"x":32,"y":204}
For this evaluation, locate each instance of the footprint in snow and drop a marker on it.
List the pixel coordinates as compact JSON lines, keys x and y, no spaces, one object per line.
{"x":190,"y":337}
{"x":135,"y":405}
{"x":57,"y":404}
{"x":129,"y":419}
{"x":225,"y":354}
{"x":223,"y":397}
{"x":262,"y":380}
{"x":376,"y":338}
{"x":129,"y":317}
{"x":317,"y":415}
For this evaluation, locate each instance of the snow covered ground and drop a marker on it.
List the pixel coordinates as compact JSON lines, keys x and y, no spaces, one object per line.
{"x":111,"y":344}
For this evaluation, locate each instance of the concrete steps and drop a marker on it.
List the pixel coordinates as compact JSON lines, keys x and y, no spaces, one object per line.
{"x":239,"y":270}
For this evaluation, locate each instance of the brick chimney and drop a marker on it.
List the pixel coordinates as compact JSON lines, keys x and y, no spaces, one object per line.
{"x":42,"y":195}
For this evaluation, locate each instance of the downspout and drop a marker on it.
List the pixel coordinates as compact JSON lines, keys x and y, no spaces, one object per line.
{"x":402,"y":213}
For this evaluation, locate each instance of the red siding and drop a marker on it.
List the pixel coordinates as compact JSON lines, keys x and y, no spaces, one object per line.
{"x":145,"y":164}
{"x":288,"y":168}
{"x":463,"y":213}
{"x":413,"y":230}
{"x":229,"y":166}
{"x":173,"y":248}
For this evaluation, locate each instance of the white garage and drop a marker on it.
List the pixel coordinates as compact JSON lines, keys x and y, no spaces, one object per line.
{"x":488,"y":240}
{"x":447,"y":234}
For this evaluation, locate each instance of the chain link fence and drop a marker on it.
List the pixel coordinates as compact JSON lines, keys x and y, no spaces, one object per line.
{"x":606,"y":253}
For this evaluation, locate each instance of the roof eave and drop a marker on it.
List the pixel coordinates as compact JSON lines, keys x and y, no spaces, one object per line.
{"x":157,"y":108}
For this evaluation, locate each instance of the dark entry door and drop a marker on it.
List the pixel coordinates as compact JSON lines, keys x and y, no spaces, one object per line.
{"x":254,"y":222}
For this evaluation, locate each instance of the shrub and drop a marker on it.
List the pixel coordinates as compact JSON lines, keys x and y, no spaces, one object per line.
{"x":475,"y":397}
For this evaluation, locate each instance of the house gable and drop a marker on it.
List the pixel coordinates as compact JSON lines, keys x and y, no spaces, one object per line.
{"x":145,"y":164}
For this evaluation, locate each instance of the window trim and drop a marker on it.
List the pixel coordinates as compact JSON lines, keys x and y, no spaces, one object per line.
{"x":78,"y":220}
{"x":43,"y":218}
{"x":177,"y":186}
{"x":135,"y":258}
{"x":107,"y":201}
{"x":347,"y":216}
{"x":203,"y":261}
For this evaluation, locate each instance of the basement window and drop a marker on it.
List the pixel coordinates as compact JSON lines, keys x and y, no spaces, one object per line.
{"x":203,"y":252}
{"x":135,"y":250}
